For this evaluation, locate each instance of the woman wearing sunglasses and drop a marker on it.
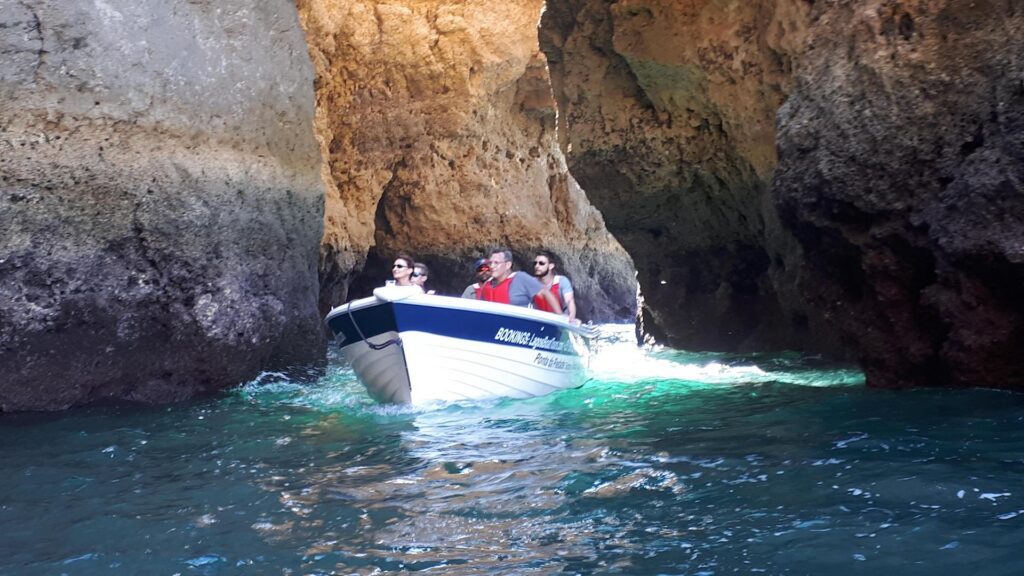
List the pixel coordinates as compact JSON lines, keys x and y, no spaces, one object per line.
{"x":401,"y":270}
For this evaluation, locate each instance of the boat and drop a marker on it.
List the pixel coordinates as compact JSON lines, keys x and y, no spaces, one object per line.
{"x":408,"y":347}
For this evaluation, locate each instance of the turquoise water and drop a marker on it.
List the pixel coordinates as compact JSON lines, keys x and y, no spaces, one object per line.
{"x":667,"y":463}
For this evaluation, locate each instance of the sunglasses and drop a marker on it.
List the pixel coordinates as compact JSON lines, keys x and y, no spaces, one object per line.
{"x":417,"y":274}
{"x":539,"y":263}
{"x":399,"y":266}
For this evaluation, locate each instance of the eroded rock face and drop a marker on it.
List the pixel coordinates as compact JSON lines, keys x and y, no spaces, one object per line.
{"x":902,"y":173}
{"x":895,"y":206}
{"x":667,"y":114}
{"x":160,"y":199}
{"x":438,"y":123}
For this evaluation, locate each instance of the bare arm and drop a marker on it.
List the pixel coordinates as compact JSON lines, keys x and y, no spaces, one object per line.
{"x":570,"y":303}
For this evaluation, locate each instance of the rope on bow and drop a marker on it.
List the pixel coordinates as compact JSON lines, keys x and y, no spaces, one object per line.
{"x":395,"y":340}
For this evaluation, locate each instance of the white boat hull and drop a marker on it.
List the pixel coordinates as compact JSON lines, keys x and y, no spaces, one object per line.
{"x":409,"y":348}
{"x":384,"y":372}
{"x":448,"y":369}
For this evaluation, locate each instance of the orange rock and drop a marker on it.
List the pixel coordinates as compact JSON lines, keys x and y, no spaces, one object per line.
{"x":438,"y":126}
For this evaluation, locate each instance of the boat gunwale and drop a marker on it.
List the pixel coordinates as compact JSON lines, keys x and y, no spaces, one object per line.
{"x":465,"y":304}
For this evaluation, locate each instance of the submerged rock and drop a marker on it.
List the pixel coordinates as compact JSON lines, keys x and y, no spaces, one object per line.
{"x":438,"y":124}
{"x":160,"y":199}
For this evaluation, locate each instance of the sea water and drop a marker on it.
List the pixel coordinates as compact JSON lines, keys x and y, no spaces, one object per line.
{"x":666,"y":463}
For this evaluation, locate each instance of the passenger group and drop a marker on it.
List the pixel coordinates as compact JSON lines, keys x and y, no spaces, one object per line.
{"x":497,"y":282}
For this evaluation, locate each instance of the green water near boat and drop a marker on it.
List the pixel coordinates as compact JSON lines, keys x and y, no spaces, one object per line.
{"x":667,"y":463}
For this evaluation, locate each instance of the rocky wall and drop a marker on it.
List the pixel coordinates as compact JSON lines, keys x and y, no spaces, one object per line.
{"x":819,"y":175}
{"x":901,"y":171}
{"x":667,"y":116}
{"x":160,"y":199}
{"x":438,"y":126}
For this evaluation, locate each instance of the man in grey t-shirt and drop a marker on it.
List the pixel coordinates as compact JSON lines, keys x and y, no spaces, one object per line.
{"x":521,"y":287}
{"x":544,"y":270}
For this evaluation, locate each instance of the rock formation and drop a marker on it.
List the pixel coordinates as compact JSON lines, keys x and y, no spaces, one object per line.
{"x":667,"y":117}
{"x":438,"y":125}
{"x":784,"y":174}
{"x":892,"y":217}
{"x":160,"y":199}
{"x":901,"y":171}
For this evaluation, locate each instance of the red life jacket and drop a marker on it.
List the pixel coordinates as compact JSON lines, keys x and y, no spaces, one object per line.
{"x":497,"y":293}
{"x":541,"y":304}
{"x":478,"y":290}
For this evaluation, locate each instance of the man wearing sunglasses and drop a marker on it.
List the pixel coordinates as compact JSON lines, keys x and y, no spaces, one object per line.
{"x":511,"y":287}
{"x":483,"y":274}
{"x":420,"y":273}
{"x":544,"y":270}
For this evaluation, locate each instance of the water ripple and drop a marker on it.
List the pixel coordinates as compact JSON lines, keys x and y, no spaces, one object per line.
{"x":668,"y":462}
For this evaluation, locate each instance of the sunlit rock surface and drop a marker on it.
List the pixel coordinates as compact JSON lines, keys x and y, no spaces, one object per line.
{"x":667,"y":116}
{"x":901,"y":171}
{"x":160,"y":199}
{"x":438,"y":124}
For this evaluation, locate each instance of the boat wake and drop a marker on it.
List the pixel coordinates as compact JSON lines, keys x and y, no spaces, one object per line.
{"x":617,"y":365}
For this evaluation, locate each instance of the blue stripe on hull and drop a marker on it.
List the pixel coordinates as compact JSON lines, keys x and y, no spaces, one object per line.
{"x":484,"y":327}
{"x":372,"y":321}
{"x":464,"y":324}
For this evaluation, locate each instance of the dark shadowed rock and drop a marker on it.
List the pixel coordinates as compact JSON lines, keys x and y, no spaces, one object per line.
{"x":666,"y":113}
{"x":901,"y":171}
{"x":160,"y":199}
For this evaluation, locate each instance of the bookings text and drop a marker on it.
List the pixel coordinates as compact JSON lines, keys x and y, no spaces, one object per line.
{"x":532,"y":340}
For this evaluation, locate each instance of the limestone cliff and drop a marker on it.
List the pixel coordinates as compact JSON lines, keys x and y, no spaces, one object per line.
{"x":667,"y":113}
{"x":438,"y":125}
{"x":160,"y":199}
{"x":901,"y":170}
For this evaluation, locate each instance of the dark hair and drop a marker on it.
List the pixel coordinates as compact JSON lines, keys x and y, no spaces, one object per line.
{"x":549,"y":255}
{"x":408,"y":259}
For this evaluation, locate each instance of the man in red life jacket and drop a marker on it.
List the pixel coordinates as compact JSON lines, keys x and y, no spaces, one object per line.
{"x":544,"y":270}
{"x":511,"y":287}
{"x":483,"y":274}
